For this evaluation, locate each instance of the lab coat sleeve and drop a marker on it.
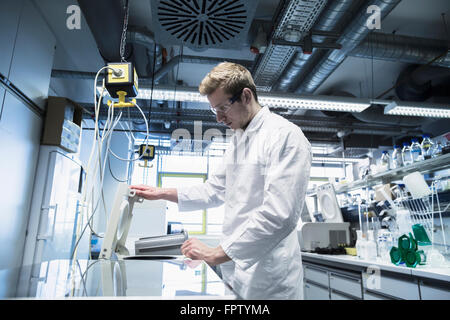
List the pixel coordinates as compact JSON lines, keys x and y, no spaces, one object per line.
{"x":288,"y":163}
{"x":203,"y":196}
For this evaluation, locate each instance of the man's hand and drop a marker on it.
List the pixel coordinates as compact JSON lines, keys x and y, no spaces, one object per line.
{"x":197,"y":250}
{"x":153,"y":193}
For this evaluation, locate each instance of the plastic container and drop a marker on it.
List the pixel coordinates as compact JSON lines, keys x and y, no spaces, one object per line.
{"x":406,"y":154}
{"x":385,"y":161}
{"x":397,"y":160}
{"x":416,"y":150}
{"x":371,"y":246}
{"x":360,"y":245}
{"x":427,"y":147}
{"x":437,"y":150}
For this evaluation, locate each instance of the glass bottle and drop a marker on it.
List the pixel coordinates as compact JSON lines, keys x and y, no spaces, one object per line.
{"x":416,"y":150}
{"x":406,"y":154}
{"x":385,"y":161}
{"x":427,"y":147}
{"x":371,"y":246}
{"x":437,"y":150}
{"x":397,"y":160}
{"x":360,"y":245}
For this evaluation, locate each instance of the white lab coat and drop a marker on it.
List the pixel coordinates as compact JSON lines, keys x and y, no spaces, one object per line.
{"x":263,"y":183}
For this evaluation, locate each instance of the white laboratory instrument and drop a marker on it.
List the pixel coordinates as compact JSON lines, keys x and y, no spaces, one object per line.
{"x":312,"y":235}
{"x":118,"y":228}
{"x":328,"y":205}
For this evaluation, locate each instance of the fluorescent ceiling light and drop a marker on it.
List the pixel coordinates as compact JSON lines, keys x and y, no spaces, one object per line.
{"x":280,"y":100}
{"x":417,"y":109}
{"x":335,"y":159}
{"x":329,"y":103}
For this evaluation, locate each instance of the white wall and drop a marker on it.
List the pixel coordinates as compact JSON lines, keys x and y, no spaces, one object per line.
{"x":26,"y":60}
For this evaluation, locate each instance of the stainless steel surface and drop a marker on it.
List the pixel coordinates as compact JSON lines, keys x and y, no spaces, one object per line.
{"x":146,"y":279}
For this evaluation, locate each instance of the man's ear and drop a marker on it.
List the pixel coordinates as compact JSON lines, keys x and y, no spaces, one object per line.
{"x":247,"y":95}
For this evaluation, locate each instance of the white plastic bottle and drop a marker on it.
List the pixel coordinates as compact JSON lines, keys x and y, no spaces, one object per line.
{"x":406,"y":154}
{"x":397,"y":160}
{"x":360,"y":245}
{"x":416,"y":150}
{"x":427,"y":147}
{"x":371,"y":246}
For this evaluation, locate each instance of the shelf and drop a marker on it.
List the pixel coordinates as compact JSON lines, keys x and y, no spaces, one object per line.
{"x":440,"y":163}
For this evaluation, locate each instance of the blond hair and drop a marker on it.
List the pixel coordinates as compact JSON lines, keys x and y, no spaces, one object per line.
{"x":231,"y":77}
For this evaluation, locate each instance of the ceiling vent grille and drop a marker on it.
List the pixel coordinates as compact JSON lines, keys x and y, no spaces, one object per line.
{"x":202,"y":23}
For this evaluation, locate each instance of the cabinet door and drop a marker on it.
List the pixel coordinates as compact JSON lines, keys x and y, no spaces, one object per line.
{"x":373,"y":296}
{"x":339,"y":296}
{"x":346,"y":284}
{"x":316,"y":275}
{"x":9,"y":20}
{"x":434,"y":290}
{"x":315,"y":292}
{"x":393,"y":285}
{"x":32,"y":59}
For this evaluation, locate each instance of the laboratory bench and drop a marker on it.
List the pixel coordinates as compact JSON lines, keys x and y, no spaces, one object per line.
{"x":167,"y":278}
{"x":345,"y":277}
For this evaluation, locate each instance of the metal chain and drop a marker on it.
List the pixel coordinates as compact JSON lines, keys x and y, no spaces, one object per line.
{"x":124,"y":33}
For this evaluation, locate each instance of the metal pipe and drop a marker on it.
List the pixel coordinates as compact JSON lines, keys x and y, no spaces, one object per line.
{"x":405,"y":49}
{"x":351,"y":37}
{"x":335,"y":13}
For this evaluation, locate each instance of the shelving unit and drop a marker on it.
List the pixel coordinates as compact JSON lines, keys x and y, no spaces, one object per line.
{"x":440,"y":163}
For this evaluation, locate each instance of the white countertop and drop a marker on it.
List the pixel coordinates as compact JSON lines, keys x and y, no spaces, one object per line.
{"x":442,"y":274}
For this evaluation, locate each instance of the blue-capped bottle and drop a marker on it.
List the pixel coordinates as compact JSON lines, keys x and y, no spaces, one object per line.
{"x":397,"y":160}
{"x":385,"y":161}
{"x":427,"y":147}
{"x":406,"y":154}
{"x":416,"y":150}
{"x":437,"y":150}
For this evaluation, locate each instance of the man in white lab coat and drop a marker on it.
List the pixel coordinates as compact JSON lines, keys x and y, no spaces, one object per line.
{"x":262,"y":182}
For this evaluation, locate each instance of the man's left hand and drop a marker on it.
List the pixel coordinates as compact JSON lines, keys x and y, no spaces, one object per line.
{"x":197,"y":250}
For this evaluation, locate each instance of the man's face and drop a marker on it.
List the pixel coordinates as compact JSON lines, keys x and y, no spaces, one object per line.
{"x":237,"y":116}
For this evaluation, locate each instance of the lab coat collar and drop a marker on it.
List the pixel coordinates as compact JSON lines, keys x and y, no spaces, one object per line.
{"x":258,"y":119}
{"x":254,"y":124}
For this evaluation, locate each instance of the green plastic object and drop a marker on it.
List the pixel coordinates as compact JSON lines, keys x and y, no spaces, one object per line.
{"x":413,"y":242}
{"x":411,"y":259}
{"x":396,"y":256}
{"x":421,"y":235}
{"x":421,"y":257}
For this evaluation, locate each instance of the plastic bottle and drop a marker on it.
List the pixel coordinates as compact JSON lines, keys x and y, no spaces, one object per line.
{"x":416,"y":151}
{"x":385,"y":161}
{"x":427,"y":147}
{"x":360,"y":245}
{"x":437,"y":150}
{"x":406,"y":154}
{"x":397,"y":160}
{"x":371,"y":246}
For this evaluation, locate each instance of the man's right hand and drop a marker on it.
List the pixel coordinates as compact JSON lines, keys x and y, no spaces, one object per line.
{"x":153,"y":193}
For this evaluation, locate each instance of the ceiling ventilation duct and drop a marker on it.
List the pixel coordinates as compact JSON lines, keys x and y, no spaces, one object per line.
{"x":406,"y":49}
{"x":297,"y":17}
{"x":351,"y":37}
{"x":202,"y":23}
